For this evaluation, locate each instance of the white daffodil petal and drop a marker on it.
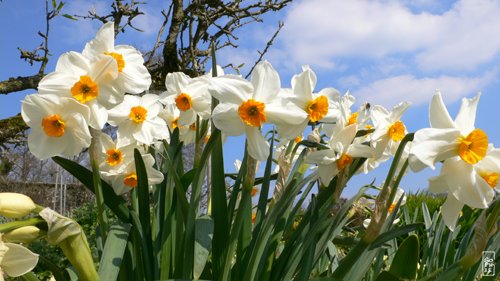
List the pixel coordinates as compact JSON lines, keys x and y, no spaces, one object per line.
{"x":258,"y":147}
{"x":322,"y":157}
{"x":450,"y":210}
{"x":303,"y":84}
{"x":226,"y":119}
{"x":432,"y":145}
{"x":104,"y":70}
{"x":345,"y":136}
{"x":98,"y":115}
{"x":57,"y":83}
{"x":104,"y":41}
{"x":467,"y":114}
{"x":135,"y":77}
{"x":327,"y":172}
{"x":438,"y":184}
{"x":18,"y":260}
{"x":187,"y":117}
{"x":43,"y":146}
{"x":361,"y":151}
{"x":398,"y":111}
{"x":464,"y":184}
{"x":231,"y":89}
{"x":266,"y":82}
{"x":291,"y":132}
{"x":175,"y":82}
{"x":73,"y":63}
{"x":438,"y":114}
{"x":279,"y":115}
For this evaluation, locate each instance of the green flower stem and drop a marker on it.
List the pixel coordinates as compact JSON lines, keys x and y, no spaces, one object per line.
{"x":6,"y":227}
{"x":238,"y":220}
{"x":94,"y":156}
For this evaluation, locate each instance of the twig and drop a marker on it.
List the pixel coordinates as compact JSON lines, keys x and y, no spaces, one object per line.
{"x":268,"y":45}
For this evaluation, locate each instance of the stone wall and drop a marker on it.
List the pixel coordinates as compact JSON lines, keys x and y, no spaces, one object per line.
{"x":45,"y":194}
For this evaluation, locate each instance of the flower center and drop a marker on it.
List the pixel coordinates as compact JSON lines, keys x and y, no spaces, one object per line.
{"x":175,"y":123}
{"x":491,"y":179}
{"x":344,"y":161}
{"x":130,"y":180}
{"x":397,"y":131}
{"x":353,"y":119}
{"x":298,"y":139}
{"x":183,"y":102}
{"x":53,"y":125}
{"x":118,"y":58}
{"x":192,"y":127}
{"x":254,"y":191}
{"x":473,"y":147}
{"x":252,"y":112}
{"x":115,"y":157}
{"x":85,"y":89}
{"x":138,"y":114}
{"x":317,"y":108}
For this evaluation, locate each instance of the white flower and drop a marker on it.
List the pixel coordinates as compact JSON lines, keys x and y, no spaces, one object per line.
{"x":88,"y":83}
{"x":133,"y":77}
{"x":340,"y":155}
{"x":137,"y":120}
{"x":320,"y":107}
{"x":471,"y":166}
{"x":114,"y":155}
{"x":399,"y":193}
{"x":190,"y":96}
{"x":58,"y":125}
{"x":126,"y":179}
{"x":389,"y":129}
{"x":15,"y":260}
{"x":244,"y":107}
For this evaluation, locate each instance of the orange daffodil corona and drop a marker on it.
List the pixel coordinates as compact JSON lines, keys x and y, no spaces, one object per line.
{"x":471,"y":166}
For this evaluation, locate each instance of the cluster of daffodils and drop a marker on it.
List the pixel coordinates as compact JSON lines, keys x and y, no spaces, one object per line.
{"x":104,"y":85}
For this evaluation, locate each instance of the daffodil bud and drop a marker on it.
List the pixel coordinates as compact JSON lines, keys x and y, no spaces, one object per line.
{"x":15,"y":205}
{"x":24,"y":234}
{"x":68,"y":235}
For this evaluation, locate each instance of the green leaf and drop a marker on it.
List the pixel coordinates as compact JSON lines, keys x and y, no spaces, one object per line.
{"x":69,"y":17}
{"x":113,"y":251}
{"x":394,"y":233}
{"x":405,"y":262}
{"x":386,"y":276}
{"x":203,"y":242}
{"x":114,"y":202}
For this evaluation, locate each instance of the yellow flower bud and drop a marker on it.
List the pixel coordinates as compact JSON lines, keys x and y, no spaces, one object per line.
{"x":15,"y":205}
{"x":24,"y":234}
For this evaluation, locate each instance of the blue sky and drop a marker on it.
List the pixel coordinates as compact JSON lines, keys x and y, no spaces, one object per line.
{"x":381,"y":51}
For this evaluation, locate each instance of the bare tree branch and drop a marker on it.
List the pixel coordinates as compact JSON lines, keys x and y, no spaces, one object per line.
{"x":269,"y":44}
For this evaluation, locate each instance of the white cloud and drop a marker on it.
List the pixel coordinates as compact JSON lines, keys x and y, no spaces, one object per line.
{"x":321,"y":31}
{"x":392,"y":90}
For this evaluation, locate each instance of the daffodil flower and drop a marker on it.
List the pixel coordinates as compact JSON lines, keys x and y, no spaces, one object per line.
{"x":171,"y":114}
{"x":340,"y":155}
{"x":15,"y":260}
{"x":125,"y":179}
{"x":137,"y":120}
{"x":245,"y":107}
{"x":389,"y":129}
{"x":114,"y":155}
{"x":471,"y":166}
{"x":59,"y":126}
{"x":133,"y":77}
{"x":190,"y":96}
{"x":88,"y":83}
{"x":309,"y":107}
{"x":399,"y":193}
